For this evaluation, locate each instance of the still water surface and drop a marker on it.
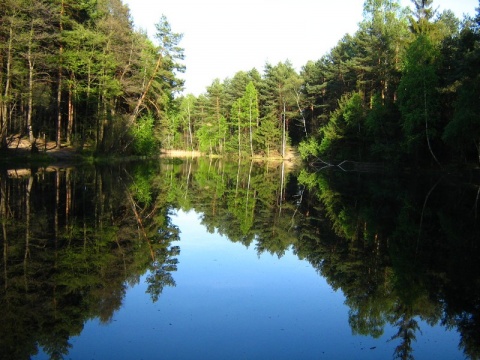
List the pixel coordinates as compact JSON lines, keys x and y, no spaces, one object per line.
{"x":230,"y":303}
{"x":202,"y":261}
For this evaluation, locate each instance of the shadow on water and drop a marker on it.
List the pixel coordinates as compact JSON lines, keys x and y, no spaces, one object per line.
{"x":400,"y":249}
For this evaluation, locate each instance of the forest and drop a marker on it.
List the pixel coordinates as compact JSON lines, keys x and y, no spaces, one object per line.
{"x":403,"y":89}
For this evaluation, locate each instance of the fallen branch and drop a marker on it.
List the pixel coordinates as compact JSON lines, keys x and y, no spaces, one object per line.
{"x":355,"y":166}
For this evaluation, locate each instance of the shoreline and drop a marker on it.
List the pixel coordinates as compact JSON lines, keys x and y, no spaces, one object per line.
{"x":291,"y":156}
{"x":19,"y":159}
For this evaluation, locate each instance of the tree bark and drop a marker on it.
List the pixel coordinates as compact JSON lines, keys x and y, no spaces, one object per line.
{"x":27,"y":230}
{"x":6,"y":94}
{"x":304,"y":121}
{"x":284,"y":137}
{"x":3,"y":218}
{"x":31,"y":68}
{"x":70,"y":113}
{"x":426,"y":123}
{"x":251,"y":130}
{"x":60,"y":82}
{"x":239,"y":137}
{"x":190,"y":135}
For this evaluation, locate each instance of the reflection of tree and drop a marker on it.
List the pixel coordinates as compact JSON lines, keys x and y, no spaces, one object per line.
{"x":161,"y":274}
{"x":469,"y":326}
{"x":243,"y":201}
{"x":394,"y":247}
{"x":71,"y":245}
{"x":407,"y":327}
{"x":399,"y":251}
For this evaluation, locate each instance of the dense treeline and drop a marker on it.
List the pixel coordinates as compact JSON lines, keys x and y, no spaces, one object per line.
{"x":78,"y":73}
{"x":403,"y":88}
{"x":248,"y":115}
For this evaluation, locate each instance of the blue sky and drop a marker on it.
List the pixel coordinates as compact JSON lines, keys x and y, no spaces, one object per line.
{"x":223,"y":37}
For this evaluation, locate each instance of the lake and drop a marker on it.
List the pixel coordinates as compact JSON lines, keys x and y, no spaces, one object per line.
{"x":210,"y":259}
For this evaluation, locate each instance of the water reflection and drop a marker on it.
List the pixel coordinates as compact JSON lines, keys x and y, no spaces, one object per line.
{"x":405,"y":249}
{"x":402,"y":251}
{"x":72,"y":241}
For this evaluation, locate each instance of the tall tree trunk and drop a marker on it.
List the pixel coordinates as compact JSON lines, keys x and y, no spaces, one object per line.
{"x":426,"y":123}
{"x":238,"y":176}
{"x":27,"y":230}
{"x":190,"y":135}
{"x":282,"y":185}
{"x":68,"y":196}
{"x":31,"y":68}
{"x":3,"y":219}
{"x":284,"y":135}
{"x":187,"y":186}
{"x":220,"y":141}
{"x":239,"y":137}
{"x":57,"y":205}
{"x":304,"y":121}
{"x":31,"y":136}
{"x":6,"y":94}
{"x":58,"y":136}
{"x":251,"y":130}
{"x":60,"y":81}
{"x":70,"y":112}
{"x":248,"y":189}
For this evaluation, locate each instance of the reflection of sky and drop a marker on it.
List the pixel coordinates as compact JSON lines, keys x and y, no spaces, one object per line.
{"x":231,"y":304}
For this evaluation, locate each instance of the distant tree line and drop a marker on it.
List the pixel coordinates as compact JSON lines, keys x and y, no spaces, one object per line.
{"x":404,"y":88}
{"x":248,"y":115}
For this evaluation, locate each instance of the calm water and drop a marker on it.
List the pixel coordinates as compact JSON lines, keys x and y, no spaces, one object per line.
{"x":211,"y":260}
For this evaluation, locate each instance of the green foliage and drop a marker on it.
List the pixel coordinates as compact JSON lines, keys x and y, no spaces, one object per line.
{"x":82,"y":64}
{"x":268,"y":135}
{"x":93,"y":73}
{"x":379,"y":43}
{"x":345,"y":125}
{"x":210,"y":136}
{"x":383,"y":130}
{"x":408,"y":88}
{"x":462,"y":133}
{"x":248,"y":113}
{"x":144,"y":140}
{"x":141,"y":188}
{"x":243,"y":116}
{"x":187,"y":120}
{"x":309,"y":148}
{"x":417,"y":92}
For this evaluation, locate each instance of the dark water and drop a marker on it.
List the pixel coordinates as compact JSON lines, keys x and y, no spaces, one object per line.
{"x":215,"y":260}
